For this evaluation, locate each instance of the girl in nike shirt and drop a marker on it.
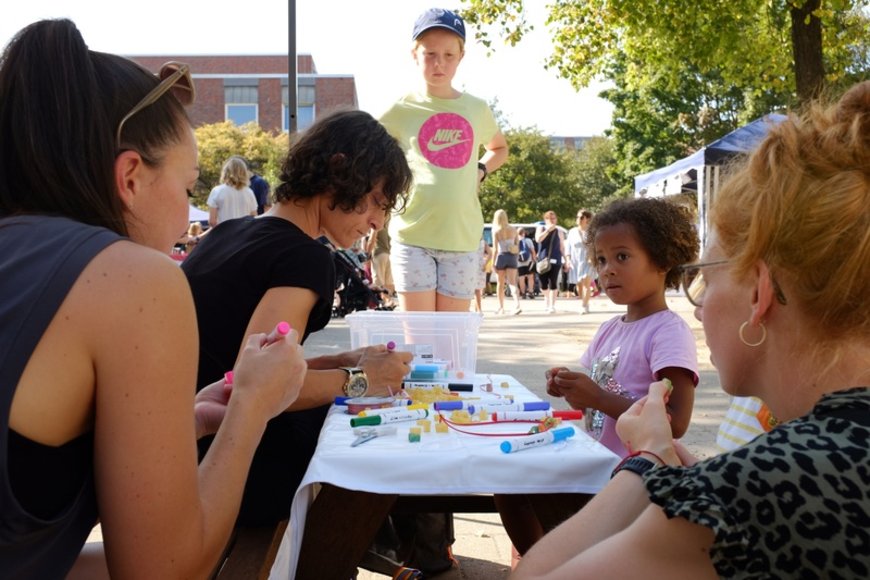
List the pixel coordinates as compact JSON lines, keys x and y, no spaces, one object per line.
{"x":441,"y":129}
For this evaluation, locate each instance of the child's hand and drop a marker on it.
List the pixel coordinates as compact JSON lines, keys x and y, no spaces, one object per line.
{"x":578,"y":389}
{"x":550,"y":375}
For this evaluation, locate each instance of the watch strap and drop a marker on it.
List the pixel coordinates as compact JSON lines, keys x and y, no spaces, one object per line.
{"x":482,"y":167}
{"x":635,"y":464}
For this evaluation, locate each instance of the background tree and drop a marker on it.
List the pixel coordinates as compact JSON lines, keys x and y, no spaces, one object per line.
{"x":538,"y":177}
{"x":220,"y":141}
{"x":686,"y":72}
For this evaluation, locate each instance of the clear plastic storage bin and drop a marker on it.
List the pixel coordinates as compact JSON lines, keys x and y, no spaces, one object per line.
{"x":445,"y":340}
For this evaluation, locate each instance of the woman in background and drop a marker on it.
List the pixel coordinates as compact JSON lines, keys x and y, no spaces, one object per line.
{"x":232,"y":198}
{"x":505,"y":240}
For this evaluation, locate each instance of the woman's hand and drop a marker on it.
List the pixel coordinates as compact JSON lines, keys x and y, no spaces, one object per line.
{"x":646,"y":425}
{"x":270,"y":376}
{"x":385,"y":369}
{"x":210,"y":406}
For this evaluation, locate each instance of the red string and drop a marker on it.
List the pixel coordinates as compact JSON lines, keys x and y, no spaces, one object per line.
{"x":452,"y":425}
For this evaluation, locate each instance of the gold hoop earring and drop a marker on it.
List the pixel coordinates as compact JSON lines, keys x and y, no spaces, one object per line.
{"x":752,"y":344}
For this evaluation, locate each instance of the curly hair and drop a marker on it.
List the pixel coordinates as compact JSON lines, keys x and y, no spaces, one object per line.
{"x":665,"y":231}
{"x":800,"y":203}
{"x":345,"y":155}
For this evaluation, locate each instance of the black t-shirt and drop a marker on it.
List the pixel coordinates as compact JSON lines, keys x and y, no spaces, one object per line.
{"x":229,"y":272}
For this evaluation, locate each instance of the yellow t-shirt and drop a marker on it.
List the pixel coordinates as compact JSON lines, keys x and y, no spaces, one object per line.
{"x":442,"y":140}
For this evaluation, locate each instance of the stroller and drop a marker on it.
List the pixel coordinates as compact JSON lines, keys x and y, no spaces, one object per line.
{"x":352,"y":289}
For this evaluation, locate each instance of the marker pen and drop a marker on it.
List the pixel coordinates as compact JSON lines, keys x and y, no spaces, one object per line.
{"x":391,"y":346}
{"x":502,"y":408}
{"x":506,"y":404}
{"x":389,"y":418}
{"x":463,"y":387}
{"x":389,"y":410}
{"x":398,"y":402}
{"x":536,"y":415}
{"x":536,"y":440}
{"x":281,"y":330}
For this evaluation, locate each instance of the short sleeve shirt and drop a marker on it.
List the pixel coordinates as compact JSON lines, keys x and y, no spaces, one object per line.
{"x":625,"y":357}
{"x":792,"y":503}
{"x":441,"y":139}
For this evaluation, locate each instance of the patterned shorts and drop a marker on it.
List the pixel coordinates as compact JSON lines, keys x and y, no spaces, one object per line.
{"x":452,"y":274}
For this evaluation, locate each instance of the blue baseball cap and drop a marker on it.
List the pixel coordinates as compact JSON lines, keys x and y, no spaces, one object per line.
{"x":439,"y":18}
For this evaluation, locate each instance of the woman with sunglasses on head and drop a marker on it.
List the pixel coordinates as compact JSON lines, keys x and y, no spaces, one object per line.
{"x":786,"y":321}
{"x":97,"y":325}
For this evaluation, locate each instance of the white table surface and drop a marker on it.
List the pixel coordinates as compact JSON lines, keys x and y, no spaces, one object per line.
{"x":444,"y":464}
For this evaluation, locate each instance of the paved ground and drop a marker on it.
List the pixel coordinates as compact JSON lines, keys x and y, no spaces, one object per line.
{"x":525,"y":346}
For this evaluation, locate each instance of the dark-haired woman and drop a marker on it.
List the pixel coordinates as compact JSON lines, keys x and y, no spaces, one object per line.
{"x":339,"y":180}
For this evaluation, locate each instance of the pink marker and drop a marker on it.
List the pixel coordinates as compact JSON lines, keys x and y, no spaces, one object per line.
{"x":228,"y":378}
{"x":391,"y":346}
{"x":282,"y":329}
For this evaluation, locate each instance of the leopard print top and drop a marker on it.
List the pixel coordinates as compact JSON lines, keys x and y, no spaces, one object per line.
{"x":793,"y":503}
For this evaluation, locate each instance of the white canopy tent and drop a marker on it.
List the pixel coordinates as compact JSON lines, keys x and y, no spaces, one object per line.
{"x":197,"y":215}
{"x":700,"y":170}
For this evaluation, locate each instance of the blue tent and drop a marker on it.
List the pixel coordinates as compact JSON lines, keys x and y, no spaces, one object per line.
{"x":740,"y":140}
{"x":700,"y":170}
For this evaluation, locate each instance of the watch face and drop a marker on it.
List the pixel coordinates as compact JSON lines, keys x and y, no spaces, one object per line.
{"x":357,"y":386}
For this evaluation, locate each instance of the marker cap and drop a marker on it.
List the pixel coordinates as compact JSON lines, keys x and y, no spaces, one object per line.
{"x":363,"y":421}
{"x":449,"y":405}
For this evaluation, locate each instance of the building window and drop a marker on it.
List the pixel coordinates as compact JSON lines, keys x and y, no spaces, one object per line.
{"x":241,"y":104}
{"x":305,"y":107}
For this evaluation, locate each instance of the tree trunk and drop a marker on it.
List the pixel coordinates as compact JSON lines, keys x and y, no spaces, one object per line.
{"x":806,"y":40}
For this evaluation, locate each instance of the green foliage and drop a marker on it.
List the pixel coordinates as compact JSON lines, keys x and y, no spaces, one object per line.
{"x":683,"y":72}
{"x":538,"y":177}
{"x":219,"y":141}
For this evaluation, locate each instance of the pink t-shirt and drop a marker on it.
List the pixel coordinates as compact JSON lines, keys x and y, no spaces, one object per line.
{"x":625,"y":357}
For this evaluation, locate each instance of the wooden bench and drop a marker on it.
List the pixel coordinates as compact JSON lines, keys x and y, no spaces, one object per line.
{"x":252,"y":551}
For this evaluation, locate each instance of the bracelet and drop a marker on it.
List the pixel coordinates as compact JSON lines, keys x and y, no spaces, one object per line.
{"x":655,"y":456}
{"x":482,"y":167}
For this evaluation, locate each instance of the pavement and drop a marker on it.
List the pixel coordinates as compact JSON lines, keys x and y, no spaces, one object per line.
{"x":525,"y":346}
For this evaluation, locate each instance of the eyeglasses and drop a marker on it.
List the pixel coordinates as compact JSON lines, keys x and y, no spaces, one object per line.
{"x":694,"y":286}
{"x":175,"y":77}
{"x":692,"y":280}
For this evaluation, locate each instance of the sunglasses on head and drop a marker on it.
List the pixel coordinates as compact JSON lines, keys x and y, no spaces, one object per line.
{"x":175,"y":77}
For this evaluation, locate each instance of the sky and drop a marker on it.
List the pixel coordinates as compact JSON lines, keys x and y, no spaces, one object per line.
{"x":369,"y":39}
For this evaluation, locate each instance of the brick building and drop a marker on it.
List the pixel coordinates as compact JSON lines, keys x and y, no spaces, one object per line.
{"x":243,"y":88}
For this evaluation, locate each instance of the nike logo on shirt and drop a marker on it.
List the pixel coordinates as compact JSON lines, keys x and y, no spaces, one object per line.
{"x":445,"y":138}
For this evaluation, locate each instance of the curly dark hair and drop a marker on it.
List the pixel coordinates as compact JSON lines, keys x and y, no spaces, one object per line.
{"x":665,"y":231}
{"x":345,"y":154}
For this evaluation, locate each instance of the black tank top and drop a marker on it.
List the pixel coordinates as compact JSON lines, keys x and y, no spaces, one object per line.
{"x":47,"y":497}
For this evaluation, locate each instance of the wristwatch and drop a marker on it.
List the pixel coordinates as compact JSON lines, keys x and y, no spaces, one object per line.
{"x":637,"y":465}
{"x":481,"y":166}
{"x":357,"y":382}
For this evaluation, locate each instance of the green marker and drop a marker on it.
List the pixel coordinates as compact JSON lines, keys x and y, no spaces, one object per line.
{"x":411,"y":415}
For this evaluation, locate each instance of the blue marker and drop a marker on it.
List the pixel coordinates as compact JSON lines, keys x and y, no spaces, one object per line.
{"x":536,"y":440}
